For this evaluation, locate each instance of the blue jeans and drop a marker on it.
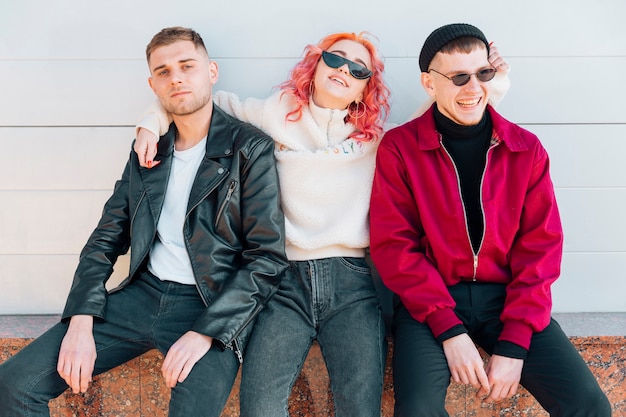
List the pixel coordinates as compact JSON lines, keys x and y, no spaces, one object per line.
{"x":147,"y":314}
{"x":334,"y":301}
{"x":553,"y":372}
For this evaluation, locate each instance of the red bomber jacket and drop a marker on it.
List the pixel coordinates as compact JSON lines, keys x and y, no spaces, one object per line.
{"x":419,"y":238}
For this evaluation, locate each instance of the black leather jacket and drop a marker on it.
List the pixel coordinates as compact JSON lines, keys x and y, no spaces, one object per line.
{"x":234,"y":230}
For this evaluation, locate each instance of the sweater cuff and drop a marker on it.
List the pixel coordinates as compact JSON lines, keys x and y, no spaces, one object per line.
{"x":442,"y":320}
{"x":500,"y":84}
{"x":455,"y":331}
{"x":509,"y":350}
{"x":154,"y":119}
{"x":517,"y":332}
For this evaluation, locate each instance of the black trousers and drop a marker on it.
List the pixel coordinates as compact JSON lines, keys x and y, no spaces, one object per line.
{"x":554,"y":373}
{"x":147,"y":314}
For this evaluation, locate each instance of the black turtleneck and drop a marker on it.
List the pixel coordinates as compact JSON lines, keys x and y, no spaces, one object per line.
{"x":468,"y":145}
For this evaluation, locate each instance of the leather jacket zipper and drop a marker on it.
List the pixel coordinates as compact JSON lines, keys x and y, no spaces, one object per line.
{"x":229,"y":193}
{"x":234,"y":344}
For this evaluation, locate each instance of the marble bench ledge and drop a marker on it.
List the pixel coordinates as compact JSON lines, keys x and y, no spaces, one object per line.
{"x":136,"y":389}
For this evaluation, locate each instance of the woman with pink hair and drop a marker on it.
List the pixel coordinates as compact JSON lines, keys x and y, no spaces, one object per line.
{"x":326,"y":120}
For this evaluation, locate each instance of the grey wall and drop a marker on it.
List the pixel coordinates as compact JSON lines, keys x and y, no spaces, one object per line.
{"x":73,"y":83}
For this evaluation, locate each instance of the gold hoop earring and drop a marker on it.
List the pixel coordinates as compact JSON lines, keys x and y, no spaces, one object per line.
{"x":358,"y":111}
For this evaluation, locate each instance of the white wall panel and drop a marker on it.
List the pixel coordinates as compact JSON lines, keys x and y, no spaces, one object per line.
{"x":591,"y":282}
{"x":71,"y":93}
{"x":593,"y":219}
{"x":48,"y":222}
{"x":74,"y":83}
{"x":38,"y":284}
{"x":63,"y":158}
{"x":565,"y":90}
{"x":35,"y":284}
{"x":281,"y":28}
{"x":585,"y":155}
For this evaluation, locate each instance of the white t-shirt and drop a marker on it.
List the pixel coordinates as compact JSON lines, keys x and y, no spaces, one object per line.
{"x":169,"y":259}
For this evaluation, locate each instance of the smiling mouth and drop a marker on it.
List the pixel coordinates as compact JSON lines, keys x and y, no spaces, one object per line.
{"x":469,"y":103}
{"x":338,"y":81}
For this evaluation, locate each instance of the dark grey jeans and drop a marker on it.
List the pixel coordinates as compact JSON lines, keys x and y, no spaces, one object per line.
{"x":334,"y":301}
{"x":554,"y":373}
{"x":147,"y":314}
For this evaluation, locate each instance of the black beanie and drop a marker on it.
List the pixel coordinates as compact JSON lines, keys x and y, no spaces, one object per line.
{"x":440,"y":37}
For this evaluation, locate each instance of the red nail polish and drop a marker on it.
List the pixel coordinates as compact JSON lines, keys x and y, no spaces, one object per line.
{"x":149,"y":163}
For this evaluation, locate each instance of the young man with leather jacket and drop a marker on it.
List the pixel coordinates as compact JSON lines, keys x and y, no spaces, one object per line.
{"x":206,"y":235}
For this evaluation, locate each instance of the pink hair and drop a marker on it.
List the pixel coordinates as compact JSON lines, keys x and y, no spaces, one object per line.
{"x":370,"y":114}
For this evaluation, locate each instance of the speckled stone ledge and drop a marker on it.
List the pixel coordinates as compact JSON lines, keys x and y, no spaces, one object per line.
{"x":136,"y":388}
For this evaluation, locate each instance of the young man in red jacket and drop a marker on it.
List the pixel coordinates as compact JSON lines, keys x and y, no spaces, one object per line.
{"x":466,"y":232}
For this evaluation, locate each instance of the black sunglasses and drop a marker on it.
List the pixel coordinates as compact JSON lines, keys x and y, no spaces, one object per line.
{"x":358,"y":71}
{"x":459,"y":80}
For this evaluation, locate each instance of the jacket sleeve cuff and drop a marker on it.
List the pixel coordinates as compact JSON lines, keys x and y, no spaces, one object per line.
{"x":517,"y":332}
{"x":442,"y":320}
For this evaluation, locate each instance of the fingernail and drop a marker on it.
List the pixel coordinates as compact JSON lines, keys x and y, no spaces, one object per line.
{"x":149,"y":163}
{"x":490,"y":43}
